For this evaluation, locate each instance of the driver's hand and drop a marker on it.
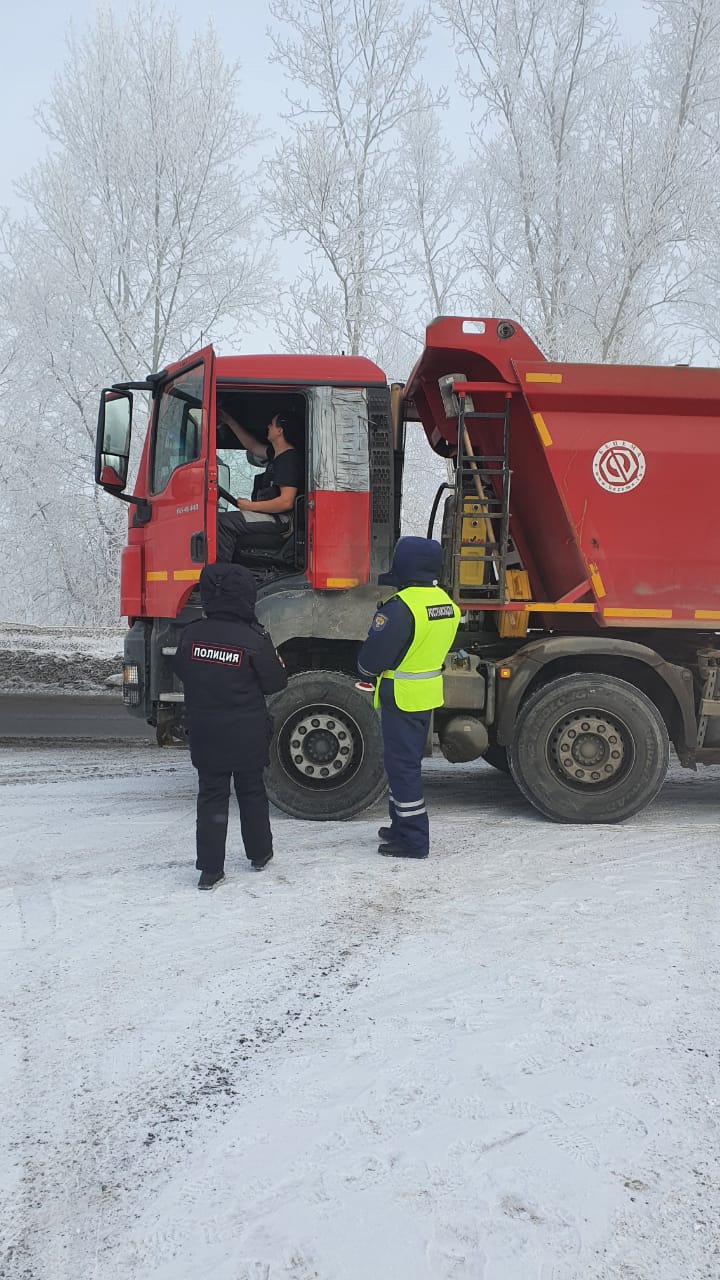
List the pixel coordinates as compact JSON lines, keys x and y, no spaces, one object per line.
{"x":244,"y":504}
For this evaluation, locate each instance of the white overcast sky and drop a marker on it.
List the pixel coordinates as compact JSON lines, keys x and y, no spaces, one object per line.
{"x":34,"y":48}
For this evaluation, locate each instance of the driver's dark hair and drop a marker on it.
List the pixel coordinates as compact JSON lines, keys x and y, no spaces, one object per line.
{"x":281,"y":418}
{"x":292,"y":427}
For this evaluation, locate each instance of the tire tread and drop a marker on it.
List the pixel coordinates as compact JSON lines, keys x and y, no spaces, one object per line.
{"x":547,"y":793}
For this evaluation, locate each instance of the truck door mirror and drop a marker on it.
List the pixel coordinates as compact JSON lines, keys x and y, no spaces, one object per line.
{"x":112,"y":451}
{"x":109,"y":478}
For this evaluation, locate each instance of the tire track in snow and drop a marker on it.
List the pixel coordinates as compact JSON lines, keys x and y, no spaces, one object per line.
{"x":85,"y":1160}
{"x":131,"y":1062}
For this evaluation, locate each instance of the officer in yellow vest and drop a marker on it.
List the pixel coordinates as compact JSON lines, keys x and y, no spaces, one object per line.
{"x":408,"y":641}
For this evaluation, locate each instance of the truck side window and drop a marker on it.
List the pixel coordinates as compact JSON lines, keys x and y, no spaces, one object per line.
{"x":178,"y":429}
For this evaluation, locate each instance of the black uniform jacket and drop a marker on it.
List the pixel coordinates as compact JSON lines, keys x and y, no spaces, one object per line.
{"x":227,"y":666}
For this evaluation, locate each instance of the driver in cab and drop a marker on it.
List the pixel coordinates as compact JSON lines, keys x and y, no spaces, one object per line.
{"x":264,"y":519}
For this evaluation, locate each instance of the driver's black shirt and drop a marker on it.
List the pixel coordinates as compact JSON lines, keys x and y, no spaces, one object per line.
{"x":283,"y":471}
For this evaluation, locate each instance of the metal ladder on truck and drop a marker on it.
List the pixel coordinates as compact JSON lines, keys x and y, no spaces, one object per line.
{"x":481,"y":543}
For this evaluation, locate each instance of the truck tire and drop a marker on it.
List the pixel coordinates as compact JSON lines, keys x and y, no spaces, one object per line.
{"x":589,"y":748}
{"x":326,"y":754}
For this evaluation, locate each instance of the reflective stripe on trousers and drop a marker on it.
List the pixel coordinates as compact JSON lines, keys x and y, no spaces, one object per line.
{"x":404,"y":736}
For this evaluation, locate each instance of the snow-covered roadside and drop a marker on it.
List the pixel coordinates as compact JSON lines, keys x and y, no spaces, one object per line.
{"x":497,"y":1065}
{"x":58,"y":659}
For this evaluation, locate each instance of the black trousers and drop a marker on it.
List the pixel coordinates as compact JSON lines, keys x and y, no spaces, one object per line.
{"x":239,"y":530}
{"x":212,"y":816}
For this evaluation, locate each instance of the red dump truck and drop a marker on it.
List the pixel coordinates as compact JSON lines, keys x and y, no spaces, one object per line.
{"x":579,"y":542}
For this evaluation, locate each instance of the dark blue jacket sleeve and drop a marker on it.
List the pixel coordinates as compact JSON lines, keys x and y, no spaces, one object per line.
{"x":267,"y":664}
{"x":389,"y":638}
{"x":179,"y":661}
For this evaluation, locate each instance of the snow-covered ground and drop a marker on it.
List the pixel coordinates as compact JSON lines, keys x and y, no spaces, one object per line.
{"x":500,"y":1064}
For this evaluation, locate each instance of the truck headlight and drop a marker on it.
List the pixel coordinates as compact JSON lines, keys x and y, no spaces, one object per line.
{"x":131,"y":684}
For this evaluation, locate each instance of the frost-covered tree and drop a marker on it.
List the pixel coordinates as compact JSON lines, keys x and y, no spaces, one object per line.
{"x":143,"y":197}
{"x":701,"y":314}
{"x":686,"y":48}
{"x":139,"y":242}
{"x":664,"y":139}
{"x":590,"y":172}
{"x":437,"y":214}
{"x":354,"y":68}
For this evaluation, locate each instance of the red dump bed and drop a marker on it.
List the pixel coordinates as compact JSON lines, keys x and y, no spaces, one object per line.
{"x":615,"y":470}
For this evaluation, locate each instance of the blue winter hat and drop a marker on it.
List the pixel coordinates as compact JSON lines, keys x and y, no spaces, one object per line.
{"x":416,"y":562}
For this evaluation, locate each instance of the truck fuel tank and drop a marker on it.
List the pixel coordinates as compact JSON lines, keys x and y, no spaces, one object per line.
{"x":463,"y":683}
{"x":463,"y":738}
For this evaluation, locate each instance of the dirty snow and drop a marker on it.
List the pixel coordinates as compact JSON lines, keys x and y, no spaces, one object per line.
{"x":497,"y":1065}
{"x":58,"y":659}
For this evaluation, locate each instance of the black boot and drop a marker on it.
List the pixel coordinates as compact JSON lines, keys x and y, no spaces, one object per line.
{"x":257,"y":864}
{"x":391,"y":850}
{"x":385,"y":833}
{"x":209,"y":879}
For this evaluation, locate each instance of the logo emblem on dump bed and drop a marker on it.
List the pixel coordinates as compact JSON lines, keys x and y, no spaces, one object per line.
{"x":619,"y":466}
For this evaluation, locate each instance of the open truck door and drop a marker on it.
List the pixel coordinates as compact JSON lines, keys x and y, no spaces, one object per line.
{"x":176,"y":492}
{"x":182,"y":484}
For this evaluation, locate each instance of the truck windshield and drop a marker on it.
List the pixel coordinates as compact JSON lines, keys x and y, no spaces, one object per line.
{"x":178,"y":428}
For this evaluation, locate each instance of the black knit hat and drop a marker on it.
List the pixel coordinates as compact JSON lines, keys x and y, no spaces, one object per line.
{"x":228,"y":588}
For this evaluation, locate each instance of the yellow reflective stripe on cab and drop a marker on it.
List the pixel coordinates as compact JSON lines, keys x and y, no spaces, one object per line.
{"x":179,"y":575}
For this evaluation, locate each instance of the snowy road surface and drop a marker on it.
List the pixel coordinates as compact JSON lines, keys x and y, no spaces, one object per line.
{"x":497,"y":1065}
{"x":69,"y":716}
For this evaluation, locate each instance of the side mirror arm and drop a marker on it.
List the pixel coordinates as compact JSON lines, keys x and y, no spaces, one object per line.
{"x":143,"y":513}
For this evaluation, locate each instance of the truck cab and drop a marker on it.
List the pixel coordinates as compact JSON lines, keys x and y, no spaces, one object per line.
{"x":316,"y":591}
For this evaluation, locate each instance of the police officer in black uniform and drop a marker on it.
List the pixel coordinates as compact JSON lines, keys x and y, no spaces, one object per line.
{"x":227,"y":664}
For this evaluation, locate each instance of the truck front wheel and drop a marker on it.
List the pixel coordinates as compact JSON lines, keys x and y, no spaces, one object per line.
{"x":326,"y":755}
{"x":589,"y":748}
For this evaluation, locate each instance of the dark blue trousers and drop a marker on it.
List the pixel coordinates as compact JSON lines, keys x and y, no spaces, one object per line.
{"x":404,"y":734}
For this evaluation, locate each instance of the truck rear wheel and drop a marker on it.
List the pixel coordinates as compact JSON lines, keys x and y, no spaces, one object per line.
{"x":589,"y":748}
{"x":326,"y":755}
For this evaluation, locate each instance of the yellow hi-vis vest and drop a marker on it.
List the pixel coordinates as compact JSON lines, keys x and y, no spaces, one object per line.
{"x":417,"y":681}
